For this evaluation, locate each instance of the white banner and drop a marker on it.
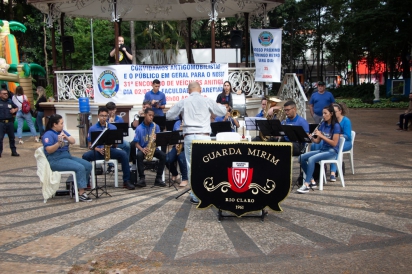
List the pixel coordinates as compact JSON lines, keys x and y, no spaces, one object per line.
{"x":129,"y":83}
{"x":267,"y":49}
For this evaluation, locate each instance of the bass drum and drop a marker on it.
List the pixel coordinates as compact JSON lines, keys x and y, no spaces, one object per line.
{"x":239,"y":103}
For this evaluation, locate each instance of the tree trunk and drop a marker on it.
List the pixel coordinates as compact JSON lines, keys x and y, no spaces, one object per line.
{"x":45,"y":49}
{"x":133,"y":42}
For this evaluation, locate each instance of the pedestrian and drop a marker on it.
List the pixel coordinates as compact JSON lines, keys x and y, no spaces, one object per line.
{"x":7,"y":110}
{"x":40,"y":111}
{"x":18,"y":100}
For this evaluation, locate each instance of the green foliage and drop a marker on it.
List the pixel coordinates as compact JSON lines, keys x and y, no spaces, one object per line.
{"x":363,"y":92}
{"x":49,"y":91}
{"x":384,"y":103}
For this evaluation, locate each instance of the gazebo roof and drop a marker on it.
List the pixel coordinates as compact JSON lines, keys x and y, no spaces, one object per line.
{"x":154,"y":10}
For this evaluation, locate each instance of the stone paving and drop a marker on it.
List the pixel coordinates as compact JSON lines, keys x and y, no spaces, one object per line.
{"x":365,"y":227}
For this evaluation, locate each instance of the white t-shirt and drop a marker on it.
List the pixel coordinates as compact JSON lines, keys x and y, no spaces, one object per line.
{"x":19,"y":101}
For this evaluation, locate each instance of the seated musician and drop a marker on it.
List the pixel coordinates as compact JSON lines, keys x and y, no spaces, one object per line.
{"x":142,"y":138}
{"x":234,"y":123}
{"x":133,"y":125}
{"x":98,"y":152}
{"x":113,"y":118}
{"x":292,"y":118}
{"x":177,"y":155}
{"x":268,"y":114}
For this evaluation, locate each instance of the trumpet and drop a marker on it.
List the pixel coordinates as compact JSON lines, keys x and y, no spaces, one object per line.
{"x":235,"y":113}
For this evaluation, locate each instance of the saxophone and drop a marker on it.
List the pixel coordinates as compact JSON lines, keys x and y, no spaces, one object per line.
{"x":179,"y":146}
{"x":151,"y":145}
{"x":107,"y":149}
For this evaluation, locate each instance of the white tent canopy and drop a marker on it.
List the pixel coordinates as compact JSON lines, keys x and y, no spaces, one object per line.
{"x":154,"y":10}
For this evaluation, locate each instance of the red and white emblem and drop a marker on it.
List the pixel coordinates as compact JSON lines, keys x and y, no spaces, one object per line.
{"x":240,"y":176}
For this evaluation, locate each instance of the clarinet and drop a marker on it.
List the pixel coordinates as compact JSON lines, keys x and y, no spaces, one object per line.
{"x":313,"y":136}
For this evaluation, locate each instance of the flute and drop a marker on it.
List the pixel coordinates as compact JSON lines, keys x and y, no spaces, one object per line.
{"x":313,"y":136}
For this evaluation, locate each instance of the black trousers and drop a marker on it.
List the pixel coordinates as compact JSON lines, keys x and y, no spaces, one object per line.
{"x":9,"y":129}
{"x":161,"y":166}
{"x":404,"y":120}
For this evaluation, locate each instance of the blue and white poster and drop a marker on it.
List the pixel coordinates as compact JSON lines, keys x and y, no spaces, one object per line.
{"x":267,"y":49}
{"x":129,"y":83}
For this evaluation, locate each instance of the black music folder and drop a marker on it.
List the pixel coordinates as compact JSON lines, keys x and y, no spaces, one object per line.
{"x":122,"y":126}
{"x":220,"y":127}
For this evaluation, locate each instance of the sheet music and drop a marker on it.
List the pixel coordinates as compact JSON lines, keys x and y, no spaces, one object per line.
{"x":250,"y":122}
{"x":98,"y":137}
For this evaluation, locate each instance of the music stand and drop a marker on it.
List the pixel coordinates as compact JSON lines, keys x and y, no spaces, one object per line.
{"x":168,"y":138}
{"x":170,"y":124}
{"x":220,"y":127}
{"x":270,"y":128}
{"x":158,"y":120}
{"x":297,"y":134}
{"x":104,"y":138}
{"x":123,"y":127}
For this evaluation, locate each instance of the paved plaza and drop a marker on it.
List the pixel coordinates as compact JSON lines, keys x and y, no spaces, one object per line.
{"x":365,"y":227}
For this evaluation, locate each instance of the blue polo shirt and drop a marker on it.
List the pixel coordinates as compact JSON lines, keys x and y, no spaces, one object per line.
{"x":143,"y":132}
{"x":319,"y":101}
{"x":260,"y":114}
{"x":176,"y":126}
{"x":159,"y":96}
{"x":98,"y":127}
{"x":117,"y":119}
{"x":51,"y":137}
{"x":297,"y":121}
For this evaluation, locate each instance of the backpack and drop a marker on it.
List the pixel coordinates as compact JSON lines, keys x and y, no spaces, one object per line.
{"x":25,"y":106}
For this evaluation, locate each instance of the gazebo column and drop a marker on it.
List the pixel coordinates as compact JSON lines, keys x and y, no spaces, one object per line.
{"x":54,"y":67}
{"x":189,"y":28}
{"x":61,"y":40}
{"x":116,"y":42}
{"x":247,"y":38}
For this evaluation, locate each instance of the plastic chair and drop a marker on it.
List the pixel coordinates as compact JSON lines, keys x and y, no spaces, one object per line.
{"x":49,"y":186}
{"x":228,"y":136}
{"x":338,"y":162}
{"x":103,"y":162}
{"x":353,"y":135}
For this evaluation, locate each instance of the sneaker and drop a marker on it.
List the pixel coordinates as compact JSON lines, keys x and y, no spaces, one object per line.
{"x":141,"y":182}
{"x":128,"y":185}
{"x":332,"y":178}
{"x":84,"y":198}
{"x":313,"y":185}
{"x":159,"y":182}
{"x":303,"y":189}
{"x":193,"y":201}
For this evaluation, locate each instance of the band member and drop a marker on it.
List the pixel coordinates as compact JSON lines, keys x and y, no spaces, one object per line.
{"x":56,"y":143}
{"x":143,"y":139}
{"x":234,"y":123}
{"x":177,"y":155}
{"x":226,"y":95}
{"x":97,"y":153}
{"x":328,"y":132}
{"x":113,"y":118}
{"x":157,"y":98}
{"x":134,"y":124}
{"x":292,"y":118}
{"x":196,"y":111}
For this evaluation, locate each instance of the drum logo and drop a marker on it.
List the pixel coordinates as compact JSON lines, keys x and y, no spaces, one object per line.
{"x":240,"y":176}
{"x":108,"y":84}
{"x":265,"y":38}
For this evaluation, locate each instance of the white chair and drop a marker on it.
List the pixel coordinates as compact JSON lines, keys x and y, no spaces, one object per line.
{"x":353,"y":135}
{"x":50,"y":180}
{"x":228,"y":136}
{"x":338,"y":162}
{"x":103,"y":162}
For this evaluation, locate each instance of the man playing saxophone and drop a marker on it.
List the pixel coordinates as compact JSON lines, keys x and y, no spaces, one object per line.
{"x":98,"y":153}
{"x":145,"y":135}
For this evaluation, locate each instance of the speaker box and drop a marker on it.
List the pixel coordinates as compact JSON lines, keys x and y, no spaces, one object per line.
{"x":235,"y":38}
{"x":68,"y":44}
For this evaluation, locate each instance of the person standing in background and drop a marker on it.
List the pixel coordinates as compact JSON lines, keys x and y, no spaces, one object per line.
{"x":18,"y":99}
{"x":157,"y":98}
{"x":319,"y":100}
{"x":7,"y":110}
{"x":125,"y":55}
{"x":40,"y":111}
